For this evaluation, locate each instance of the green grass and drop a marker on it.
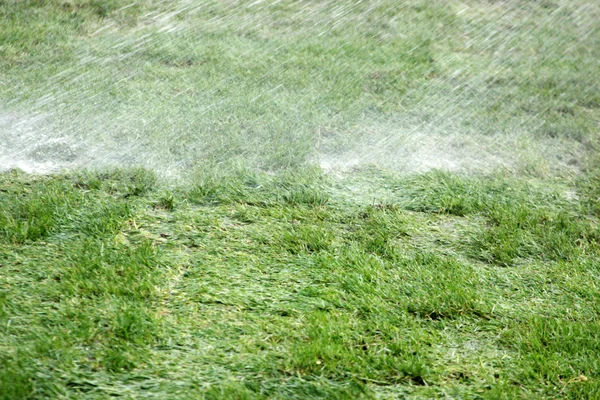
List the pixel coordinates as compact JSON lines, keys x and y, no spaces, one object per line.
{"x":183,"y":86}
{"x":196,"y":249}
{"x":234,"y":290}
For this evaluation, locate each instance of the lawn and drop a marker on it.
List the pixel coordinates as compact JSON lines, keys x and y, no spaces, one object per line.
{"x":282,"y":199}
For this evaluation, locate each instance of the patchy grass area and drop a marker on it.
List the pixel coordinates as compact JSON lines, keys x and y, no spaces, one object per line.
{"x":340,"y":199}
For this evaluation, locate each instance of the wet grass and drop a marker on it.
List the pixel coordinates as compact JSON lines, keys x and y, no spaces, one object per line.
{"x":256,"y":285}
{"x":234,"y":266}
{"x":179,"y":86}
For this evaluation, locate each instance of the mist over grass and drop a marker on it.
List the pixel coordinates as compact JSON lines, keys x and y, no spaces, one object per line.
{"x":406,"y":85}
{"x":280,"y":199}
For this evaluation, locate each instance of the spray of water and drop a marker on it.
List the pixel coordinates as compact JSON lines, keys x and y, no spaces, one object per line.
{"x":464,"y":86}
